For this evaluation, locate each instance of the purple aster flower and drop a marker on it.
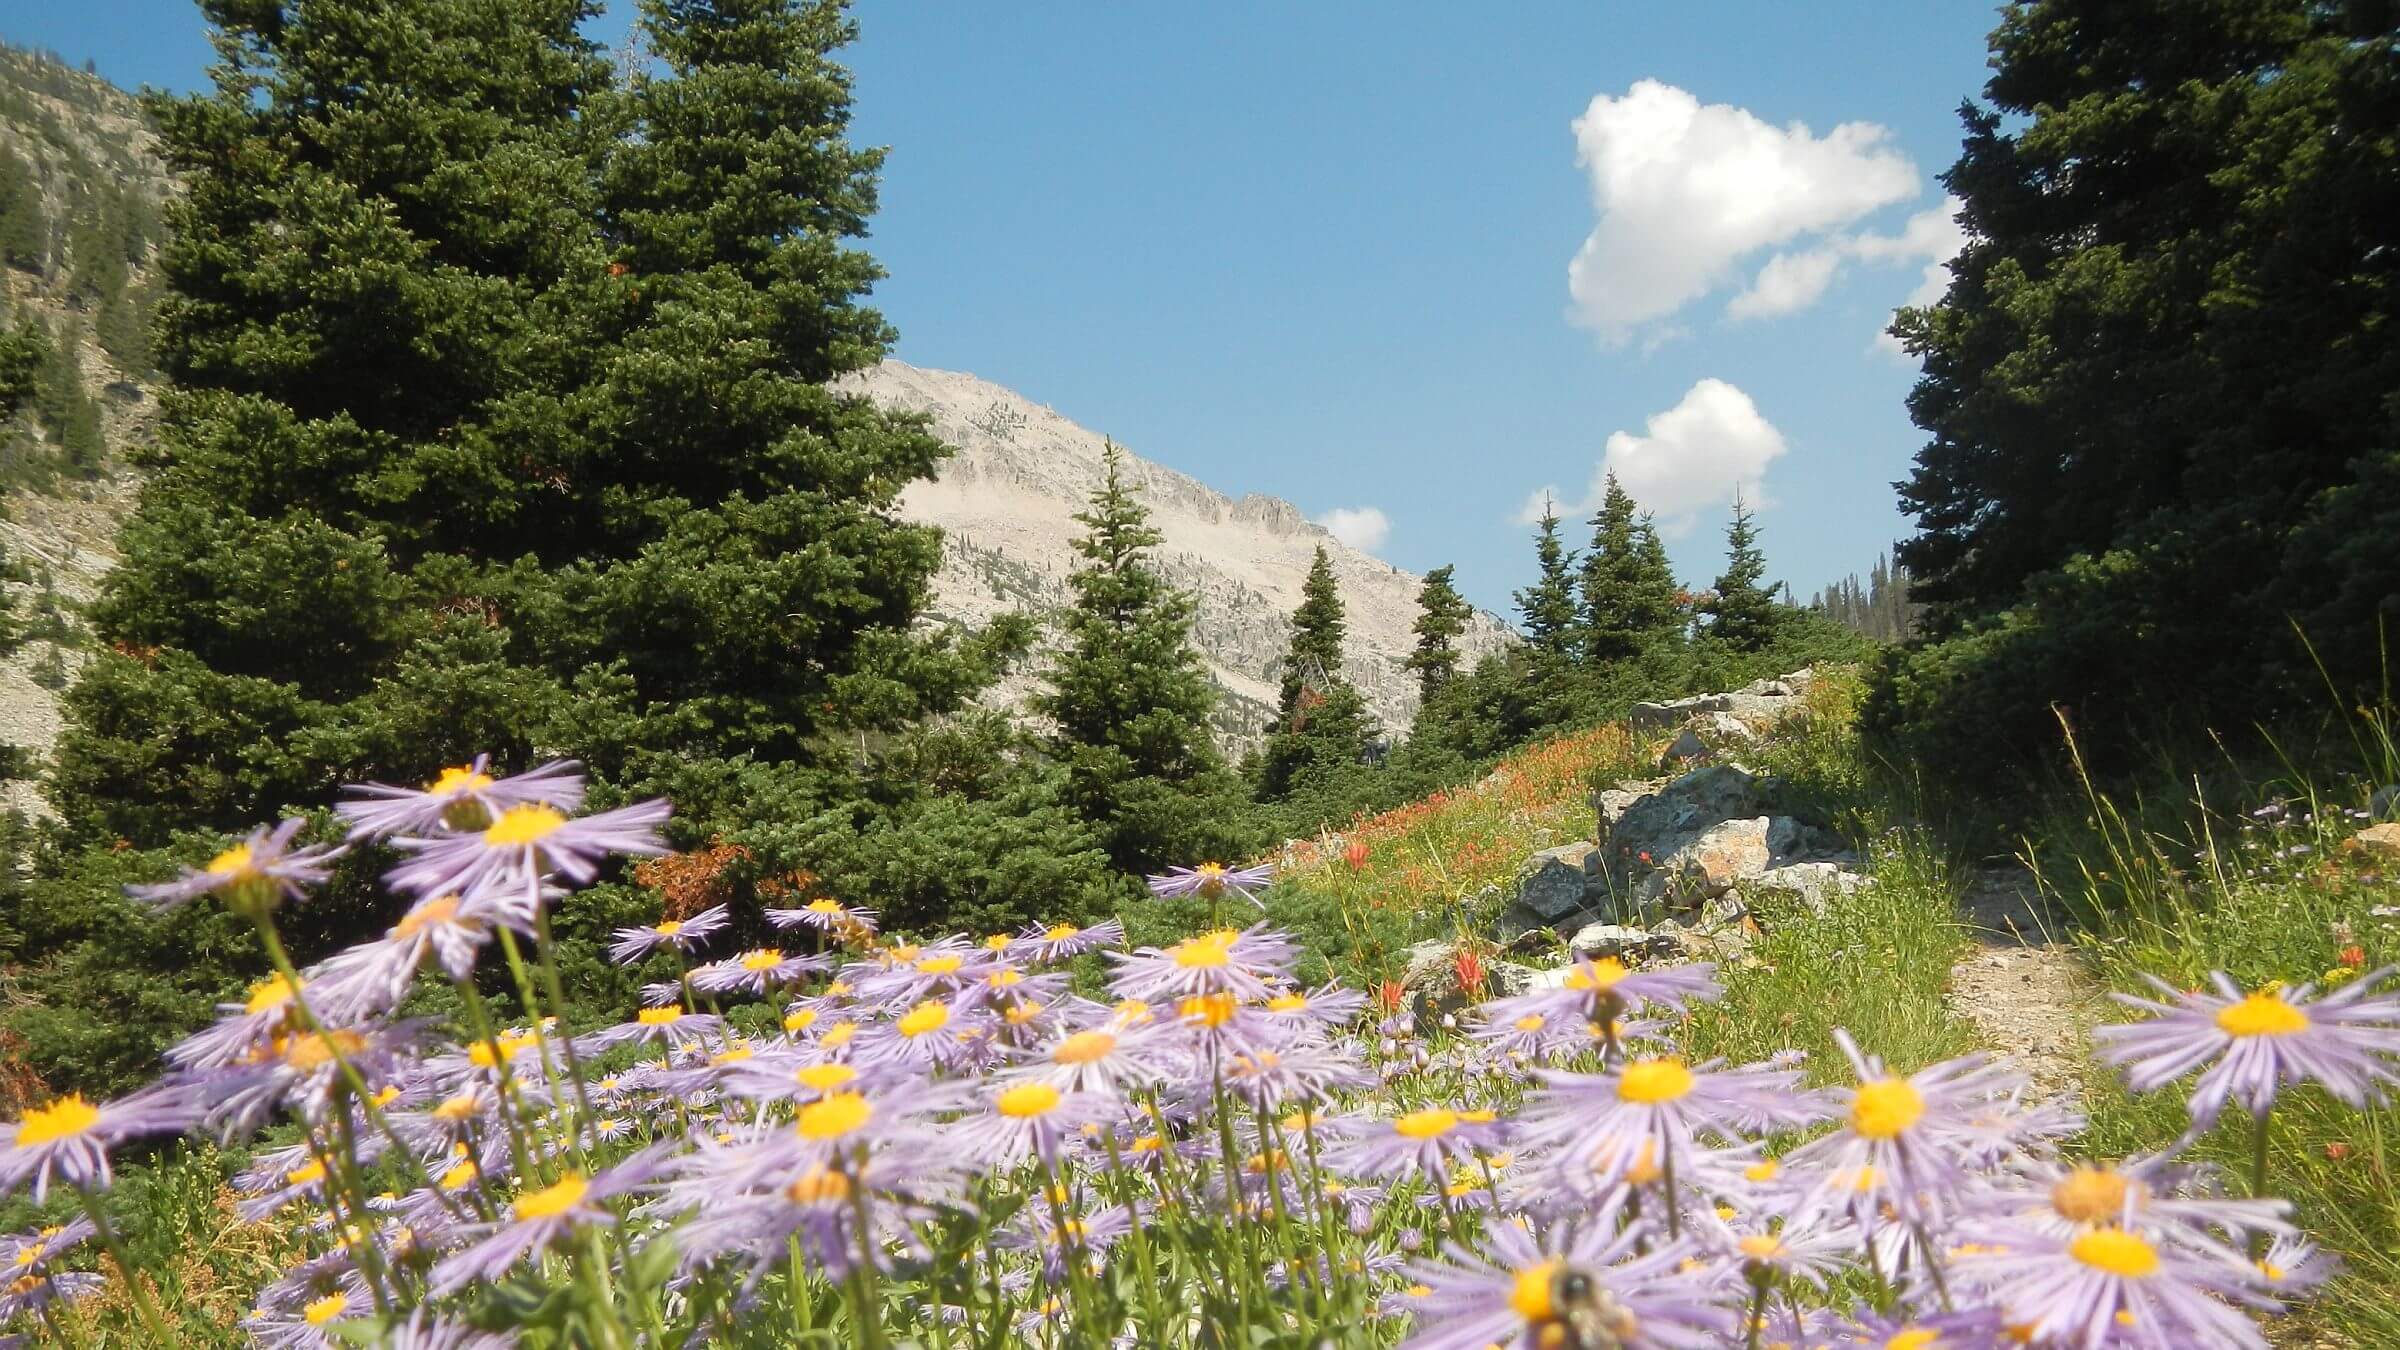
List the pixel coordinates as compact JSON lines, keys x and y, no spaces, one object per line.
{"x":655,"y":1026}
{"x":247,"y":1029}
{"x":912,"y":974}
{"x":683,"y":935}
{"x":1106,"y":1059}
{"x":1064,"y":941}
{"x":2294,"y":1265}
{"x":2163,"y":1200}
{"x":1425,"y":1142}
{"x":1294,"y":1076}
{"x":539,"y":1220}
{"x":1760,"y":1244}
{"x":252,"y":877}
{"x":756,"y":971}
{"x":1056,"y":1238}
{"x":1568,"y":1287}
{"x":1973,"y":1329}
{"x":1026,"y":1120}
{"x":69,"y":1139}
{"x":464,"y":798}
{"x":828,"y":916}
{"x":931,"y":1035}
{"x":1899,"y":1141}
{"x":1326,"y":1008}
{"x":1605,"y":992}
{"x":1244,"y":963}
{"x":31,"y":1253}
{"x":425,"y":1330}
{"x":1210,"y":880}
{"x":372,"y":977}
{"x":2111,"y":1286}
{"x":2255,"y":1044}
{"x":33,"y":1293}
{"x":1664,"y":1101}
{"x":305,"y":1072}
{"x":309,"y":1326}
{"x":522,"y":845}
{"x":813,"y":1201}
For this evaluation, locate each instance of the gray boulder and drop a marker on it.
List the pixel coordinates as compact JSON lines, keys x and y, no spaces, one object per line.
{"x":1685,"y":751}
{"x":2385,"y":804}
{"x":1555,"y":882}
{"x":1818,"y":885}
{"x":1595,"y":941}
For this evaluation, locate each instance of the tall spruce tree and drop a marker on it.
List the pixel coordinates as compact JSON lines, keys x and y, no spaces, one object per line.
{"x":499,"y":423}
{"x":1322,"y":724}
{"x":1629,"y":602}
{"x":2157,"y":396}
{"x":1548,"y":605}
{"x":24,"y":226}
{"x":1442,"y":615}
{"x":1130,"y":701}
{"x":1743,"y":614}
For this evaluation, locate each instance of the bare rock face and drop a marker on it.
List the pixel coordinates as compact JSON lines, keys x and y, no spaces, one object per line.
{"x":1006,"y":503}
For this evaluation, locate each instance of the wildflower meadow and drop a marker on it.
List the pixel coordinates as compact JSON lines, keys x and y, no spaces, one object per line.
{"x":1051,"y":1138}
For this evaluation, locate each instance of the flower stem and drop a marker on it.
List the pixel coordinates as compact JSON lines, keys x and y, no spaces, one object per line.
{"x":139,"y":1292}
{"x":2258,"y":1176}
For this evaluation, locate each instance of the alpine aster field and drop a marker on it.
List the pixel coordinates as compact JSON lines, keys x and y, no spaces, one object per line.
{"x":853,"y":1138}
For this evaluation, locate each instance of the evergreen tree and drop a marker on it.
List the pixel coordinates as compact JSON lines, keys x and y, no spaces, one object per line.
{"x":1322,"y":725}
{"x":1548,"y":606}
{"x":2157,"y":394}
{"x":1442,"y":615}
{"x":1318,"y":628}
{"x":535,"y":457}
{"x":1743,"y":614}
{"x":24,"y":228}
{"x":66,"y":409}
{"x":1130,"y":701}
{"x":23,"y":351}
{"x":1628,"y":586}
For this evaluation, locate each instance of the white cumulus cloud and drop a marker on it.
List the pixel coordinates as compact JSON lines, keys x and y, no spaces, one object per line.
{"x":1693,"y":457}
{"x":1932,"y":237}
{"x":1789,"y":282}
{"x":1361,"y":527}
{"x":1685,"y":191}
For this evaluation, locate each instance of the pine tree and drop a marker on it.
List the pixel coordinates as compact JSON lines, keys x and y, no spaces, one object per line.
{"x":1130,"y":701}
{"x":1442,"y":615}
{"x":1322,"y":723}
{"x":24,"y":228}
{"x":1629,"y":602}
{"x":1548,"y":606}
{"x":1743,"y":614}
{"x":535,"y":457}
{"x":66,"y":408}
{"x":23,"y":351}
{"x":1318,"y":628}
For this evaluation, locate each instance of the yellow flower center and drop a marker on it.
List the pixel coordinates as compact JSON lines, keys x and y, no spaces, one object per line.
{"x":834,"y":1115}
{"x":1529,"y":1296}
{"x":817,"y":1186}
{"x":1532,"y":1022}
{"x":2116,"y":1251}
{"x":2089,"y":1195}
{"x":1209,"y":951}
{"x":659,"y":1017}
{"x":761,"y":958}
{"x":822,"y":1078}
{"x":1083,"y":1047}
{"x":526,"y":823}
{"x":1598,"y":976}
{"x":1914,"y":1338}
{"x":326,"y":1309}
{"x":440,"y":909}
{"x":462,"y":778}
{"x":1761,"y":1246}
{"x":511,"y":1045}
{"x":799,"y":1019}
{"x":1762,"y":1170}
{"x":552,"y":1200}
{"x":1886,"y":1108}
{"x":945,"y":964}
{"x":732,"y":1054}
{"x":926,"y":1017}
{"x":1003,"y":979}
{"x":455,"y":1109}
{"x":271,"y":992}
{"x":838,"y":1035}
{"x":2262,"y":1014}
{"x":668,"y":927}
{"x":232,"y":863}
{"x":1059,"y":932}
{"x":1649,"y":1082}
{"x":1208,"y":1010}
{"x":304,"y":1174}
{"x":460,"y":1174}
{"x":1432,"y":1123}
{"x":1027,"y":1100}
{"x":1288,"y":1003}
{"x":316,"y":1050}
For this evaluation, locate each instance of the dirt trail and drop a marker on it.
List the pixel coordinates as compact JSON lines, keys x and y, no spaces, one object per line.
{"x":2022,"y":987}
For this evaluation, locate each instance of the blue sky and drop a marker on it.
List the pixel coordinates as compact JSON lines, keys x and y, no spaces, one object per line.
{"x":1325,"y":250}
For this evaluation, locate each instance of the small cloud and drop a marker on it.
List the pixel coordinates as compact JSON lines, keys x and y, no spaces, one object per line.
{"x":1931,"y":237}
{"x":1685,"y":191}
{"x":1361,"y":527}
{"x":1694,"y":456}
{"x":1789,"y":282}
